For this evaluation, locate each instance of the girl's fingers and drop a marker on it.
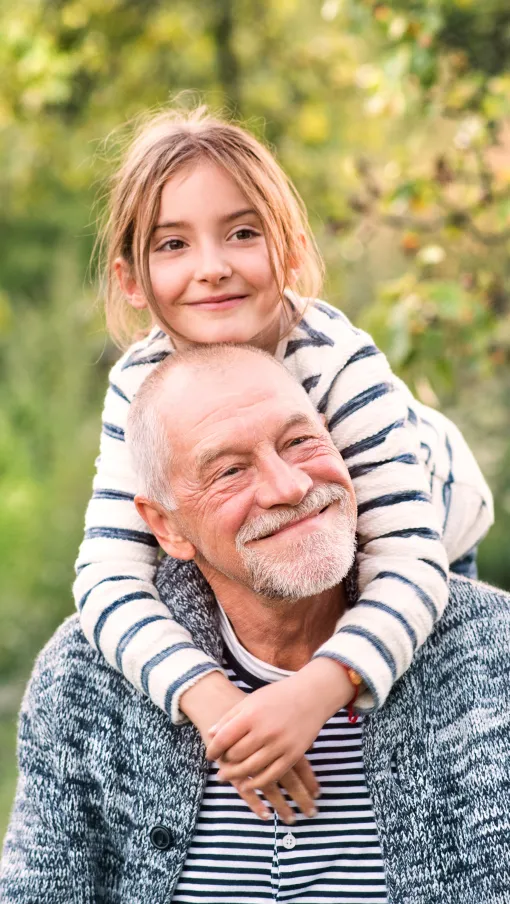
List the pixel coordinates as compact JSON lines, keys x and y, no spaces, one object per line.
{"x":225,"y":737}
{"x":298,"y":792}
{"x":225,"y":719}
{"x":305,"y":772}
{"x":272,"y":773}
{"x":253,"y":765}
{"x":255,"y":803}
{"x":275,"y":797}
{"x":242,"y":750}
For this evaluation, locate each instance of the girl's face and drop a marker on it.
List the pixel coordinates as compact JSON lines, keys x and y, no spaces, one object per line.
{"x":209,"y":262}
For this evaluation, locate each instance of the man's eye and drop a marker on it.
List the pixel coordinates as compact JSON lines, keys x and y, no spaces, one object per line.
{"x":299,"y":440}
{"x":230,"y":472}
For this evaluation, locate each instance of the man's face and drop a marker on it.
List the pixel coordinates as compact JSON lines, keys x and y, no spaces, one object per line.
{"x":260,"y":489}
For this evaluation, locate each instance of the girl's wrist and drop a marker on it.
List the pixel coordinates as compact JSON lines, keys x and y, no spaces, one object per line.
{"x":326,"y":684}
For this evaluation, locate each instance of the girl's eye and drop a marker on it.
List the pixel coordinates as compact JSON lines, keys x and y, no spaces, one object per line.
{"x":171,"y":245}
{"x":242,"y":235}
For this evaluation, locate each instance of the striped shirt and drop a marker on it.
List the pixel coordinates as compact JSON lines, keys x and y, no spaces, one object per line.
{"x":235,"y":857}
{"x":400,"y":456}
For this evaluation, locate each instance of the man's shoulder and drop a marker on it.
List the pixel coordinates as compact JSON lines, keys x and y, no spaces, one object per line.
{"x":474,"y":628}
{"x":471,"y":602}
{"x":67,"y":648}
{"x":71,"y":677}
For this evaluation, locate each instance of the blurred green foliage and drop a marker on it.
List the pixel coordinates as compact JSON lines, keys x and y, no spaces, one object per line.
{"x":391,"y":119}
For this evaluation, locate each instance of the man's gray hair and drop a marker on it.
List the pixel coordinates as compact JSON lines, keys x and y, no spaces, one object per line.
{"x":147,"y":433}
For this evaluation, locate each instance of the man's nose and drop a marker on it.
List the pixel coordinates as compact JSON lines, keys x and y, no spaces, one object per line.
{"x":281,"y":483}
{"x":212,"y":265}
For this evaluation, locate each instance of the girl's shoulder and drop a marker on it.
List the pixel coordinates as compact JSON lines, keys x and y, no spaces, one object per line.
{"x":322,"y":317}
{"x":141,"y":357}
{"x":324,"y":331}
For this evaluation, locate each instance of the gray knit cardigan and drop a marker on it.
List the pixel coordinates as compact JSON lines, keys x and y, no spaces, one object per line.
{"x":101,"y":766}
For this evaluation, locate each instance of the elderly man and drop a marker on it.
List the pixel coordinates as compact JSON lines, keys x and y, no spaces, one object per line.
{"x":115,"y":804}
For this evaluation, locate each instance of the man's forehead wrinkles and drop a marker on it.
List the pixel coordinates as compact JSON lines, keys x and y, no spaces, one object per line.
{"x":244,"y":442}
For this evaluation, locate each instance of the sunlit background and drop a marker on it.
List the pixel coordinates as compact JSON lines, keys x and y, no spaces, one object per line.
{"x":391,"y":122}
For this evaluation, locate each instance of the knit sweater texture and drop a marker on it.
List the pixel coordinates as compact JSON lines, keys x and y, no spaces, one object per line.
{"x":419,"y":491}
{"x":101,"y":766}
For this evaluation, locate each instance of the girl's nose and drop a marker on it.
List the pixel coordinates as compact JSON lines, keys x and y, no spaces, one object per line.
{"x":212,"y":266}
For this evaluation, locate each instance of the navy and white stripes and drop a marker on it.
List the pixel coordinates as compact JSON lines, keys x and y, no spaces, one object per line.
{"x":398,"y":459}
{"x":334,"y":857}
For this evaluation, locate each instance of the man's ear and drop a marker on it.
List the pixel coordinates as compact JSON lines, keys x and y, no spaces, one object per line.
{"x":128,"y":284}
{"x":165,"y":528}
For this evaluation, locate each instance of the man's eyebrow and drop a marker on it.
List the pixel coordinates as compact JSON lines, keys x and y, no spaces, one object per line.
{"x":183,"y":224}
{"x":209,"y":456}
{"x":298,"y":420}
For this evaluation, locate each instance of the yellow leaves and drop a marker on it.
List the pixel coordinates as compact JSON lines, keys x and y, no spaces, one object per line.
{"x":330,"y":10}
{"x":313,"y":124}
{"x":75,"y":15}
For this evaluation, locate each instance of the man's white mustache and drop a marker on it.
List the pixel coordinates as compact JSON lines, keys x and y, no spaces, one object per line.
{"x":318,"y":498}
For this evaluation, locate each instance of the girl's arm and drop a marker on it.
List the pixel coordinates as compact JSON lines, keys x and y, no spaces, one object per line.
{"x":402,"y":562}
{"x":120,"y":609}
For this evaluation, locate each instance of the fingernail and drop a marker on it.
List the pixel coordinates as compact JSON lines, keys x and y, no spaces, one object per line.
{"x":317,"y":794}
{"x":265,"y":814}
{"x":212,"y":729}
{"x":312,"y":812}
{"x":290,"y":819}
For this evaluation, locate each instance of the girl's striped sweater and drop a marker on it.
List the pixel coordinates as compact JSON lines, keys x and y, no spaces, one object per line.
{"x":416,"y":483}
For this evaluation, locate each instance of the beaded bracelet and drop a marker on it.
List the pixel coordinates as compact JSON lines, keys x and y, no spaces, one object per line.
{"x":356,"y":681}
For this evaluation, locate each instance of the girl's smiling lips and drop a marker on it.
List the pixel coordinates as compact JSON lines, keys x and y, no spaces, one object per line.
{"x":218,"y":302}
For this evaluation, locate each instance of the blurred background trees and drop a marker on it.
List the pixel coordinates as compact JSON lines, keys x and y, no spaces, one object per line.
{"x":392,"y":119}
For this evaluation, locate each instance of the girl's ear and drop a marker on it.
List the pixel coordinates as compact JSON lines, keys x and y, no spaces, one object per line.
{"x":128,"y":284}
{"x":165,"y":528}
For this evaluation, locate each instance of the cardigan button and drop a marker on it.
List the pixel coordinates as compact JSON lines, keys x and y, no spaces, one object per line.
{"x":161,"y":838}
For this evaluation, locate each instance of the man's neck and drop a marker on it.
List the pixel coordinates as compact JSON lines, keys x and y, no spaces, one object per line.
{"x":284,"y":634}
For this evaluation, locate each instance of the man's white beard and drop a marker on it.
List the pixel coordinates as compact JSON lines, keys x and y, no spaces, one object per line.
{"x":307,"y":566}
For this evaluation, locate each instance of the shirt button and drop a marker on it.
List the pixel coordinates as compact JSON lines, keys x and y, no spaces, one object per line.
{"x":161,"y":838}
{"x":289,"y":841}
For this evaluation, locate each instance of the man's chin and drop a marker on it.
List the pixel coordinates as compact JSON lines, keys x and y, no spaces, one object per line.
{"x":316,"y":566}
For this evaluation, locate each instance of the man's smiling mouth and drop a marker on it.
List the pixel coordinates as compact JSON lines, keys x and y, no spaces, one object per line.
{"x":290,"y":524}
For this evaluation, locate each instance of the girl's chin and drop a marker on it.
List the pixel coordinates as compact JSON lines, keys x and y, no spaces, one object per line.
{"x":265,"y":337}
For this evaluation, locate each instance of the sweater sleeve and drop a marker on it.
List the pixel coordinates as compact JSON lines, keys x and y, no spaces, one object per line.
{"x":120,"y":610}
{"x":402,"y":563}
{"x":44,"y":857}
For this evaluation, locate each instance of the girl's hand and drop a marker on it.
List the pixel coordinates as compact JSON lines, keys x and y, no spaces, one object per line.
{"x":263,"y":736}
{"x":299,"y":783}
{"x":211,"y":700}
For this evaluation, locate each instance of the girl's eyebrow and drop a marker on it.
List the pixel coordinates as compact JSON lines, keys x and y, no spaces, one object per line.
{"x":182,"y":224}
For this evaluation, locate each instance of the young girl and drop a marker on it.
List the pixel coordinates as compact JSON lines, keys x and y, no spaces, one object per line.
{"x":207,"y":233}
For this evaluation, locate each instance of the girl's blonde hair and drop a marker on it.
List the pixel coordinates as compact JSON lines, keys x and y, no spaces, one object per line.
{"x":166,"y":144}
